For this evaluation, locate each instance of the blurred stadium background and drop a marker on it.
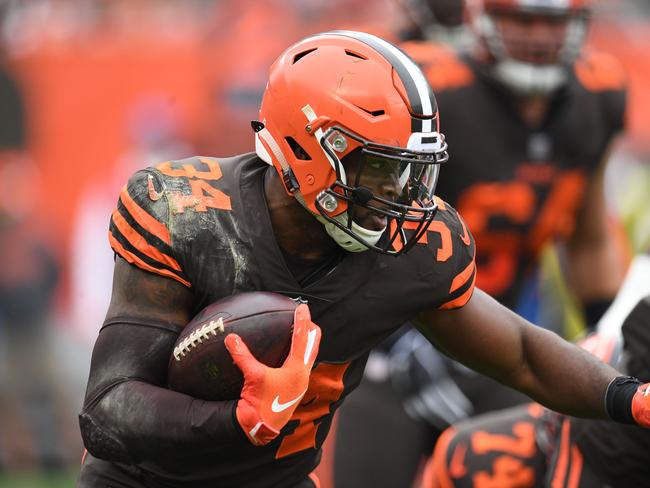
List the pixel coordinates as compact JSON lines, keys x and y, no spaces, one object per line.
{"x":90,"y":90}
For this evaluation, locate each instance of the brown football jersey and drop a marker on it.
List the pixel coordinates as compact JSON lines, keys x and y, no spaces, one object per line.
{"x":204,"y":222}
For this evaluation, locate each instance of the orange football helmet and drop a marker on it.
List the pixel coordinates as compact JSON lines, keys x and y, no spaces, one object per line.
{"x":533,"y":43}
{"x":353,"y":97}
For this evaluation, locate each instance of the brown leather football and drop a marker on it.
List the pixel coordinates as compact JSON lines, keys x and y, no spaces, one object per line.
{"x":202,"y":367}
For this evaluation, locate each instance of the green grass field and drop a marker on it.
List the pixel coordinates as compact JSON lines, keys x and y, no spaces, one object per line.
{"x":65,"y":480}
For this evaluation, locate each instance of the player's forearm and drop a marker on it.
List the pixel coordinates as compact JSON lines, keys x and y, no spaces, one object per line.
{"x":134,"y":421}
{"x":561,"y":375}
{"x":130,"y":416}
{"x":493,"y":340}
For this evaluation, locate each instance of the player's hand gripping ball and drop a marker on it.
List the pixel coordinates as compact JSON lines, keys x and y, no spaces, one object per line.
{"x":271,"y":395}
{"x":200,"y":365}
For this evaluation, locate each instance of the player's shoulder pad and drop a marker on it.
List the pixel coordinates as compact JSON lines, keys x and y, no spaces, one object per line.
{"x":139,"y":229}
{"x":598,"y":71}
{"x":193,"y":184}
{"x":440,"y":64}
{"x":602,"y":76}
{"x":457,"y":247}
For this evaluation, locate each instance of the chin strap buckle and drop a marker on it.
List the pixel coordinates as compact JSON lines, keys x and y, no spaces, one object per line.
{"x":290,"y":181}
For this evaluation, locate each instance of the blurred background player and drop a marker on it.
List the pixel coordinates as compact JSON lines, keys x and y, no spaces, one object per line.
{"x":528,"y":446}
{"x":531,"y":118}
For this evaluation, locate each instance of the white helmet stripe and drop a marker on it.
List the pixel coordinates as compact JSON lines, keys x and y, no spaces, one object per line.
{"x":418,"y":90}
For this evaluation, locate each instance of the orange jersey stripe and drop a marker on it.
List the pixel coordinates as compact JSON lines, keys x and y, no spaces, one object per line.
{"x":576,"y":467}
{"x":141,"y":244}
{"x":465,"y":236}
{"x":461,"y":300}
{"x":143,"y":218}
{"x":563,"y":460}
{"x":462,"y":277}
{"x":133,"y":259}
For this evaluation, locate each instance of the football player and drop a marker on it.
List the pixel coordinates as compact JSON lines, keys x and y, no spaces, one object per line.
{"x":527,"y":447}
{"x":530,"y":117}
{"x":337,"y":206}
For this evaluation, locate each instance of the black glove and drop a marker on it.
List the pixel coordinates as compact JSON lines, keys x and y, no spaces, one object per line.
{"x":420,"y":375}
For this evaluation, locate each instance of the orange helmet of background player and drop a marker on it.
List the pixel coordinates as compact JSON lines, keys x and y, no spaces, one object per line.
{"x":532,"y":43}
{"x":349,"y":96}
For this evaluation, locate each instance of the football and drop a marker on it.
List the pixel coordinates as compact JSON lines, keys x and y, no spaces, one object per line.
{"x":200,"y":364}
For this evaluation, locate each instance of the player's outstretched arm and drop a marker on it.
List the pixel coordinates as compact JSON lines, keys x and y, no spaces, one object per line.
{"x":128,"y":414}
{"x":491,"y":339}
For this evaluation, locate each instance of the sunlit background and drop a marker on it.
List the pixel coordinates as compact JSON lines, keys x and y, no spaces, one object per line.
{"x":90,"y":91}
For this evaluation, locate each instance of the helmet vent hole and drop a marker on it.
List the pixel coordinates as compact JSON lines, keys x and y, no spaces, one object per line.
{"x":374,"y":113}
{"x":301,"y":55}
{"x":297,"y":149}
{"x":355,"y":55}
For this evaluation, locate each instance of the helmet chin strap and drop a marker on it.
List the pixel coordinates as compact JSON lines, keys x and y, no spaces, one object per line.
{"x":528,"y":79}
{"x":345,"y":240}
{"x":342,"y":238}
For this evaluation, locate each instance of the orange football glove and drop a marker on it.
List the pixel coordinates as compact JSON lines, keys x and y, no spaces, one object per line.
{"x":270,"y":395}
{"x":641,"y":405}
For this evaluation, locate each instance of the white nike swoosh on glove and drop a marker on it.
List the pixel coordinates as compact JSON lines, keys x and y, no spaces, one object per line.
{"x":278,"y":407}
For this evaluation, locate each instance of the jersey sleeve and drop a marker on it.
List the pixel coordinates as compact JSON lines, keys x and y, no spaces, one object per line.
{"x":139,"y":228}
{"x":459,"y":278}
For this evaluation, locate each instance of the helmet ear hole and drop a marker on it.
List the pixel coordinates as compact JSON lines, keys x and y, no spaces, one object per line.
{"x":297,"y":149}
